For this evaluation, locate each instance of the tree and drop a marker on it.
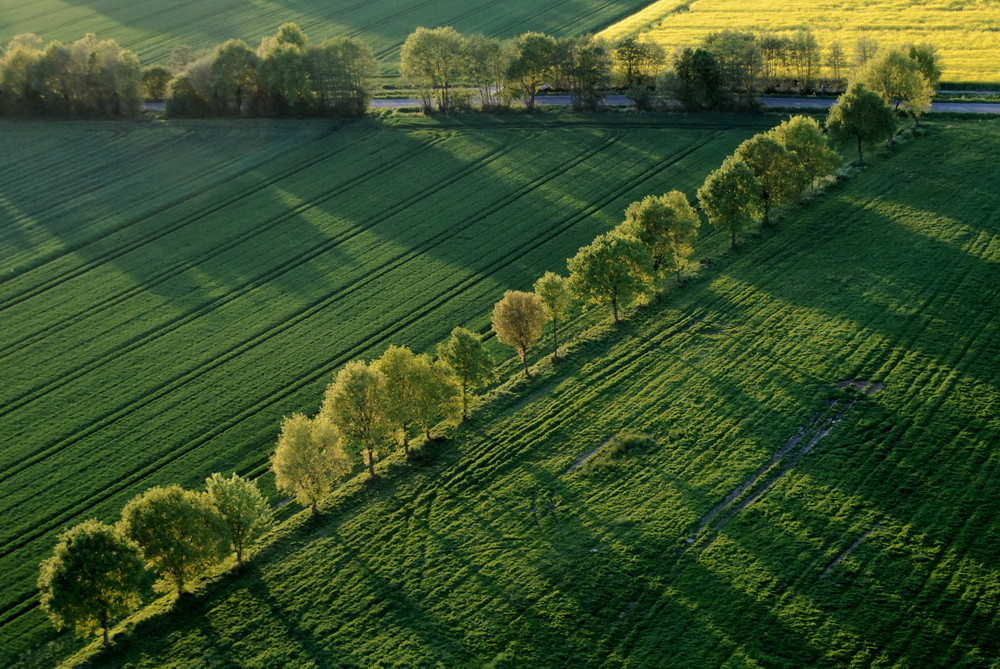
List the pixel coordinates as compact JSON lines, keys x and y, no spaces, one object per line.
{"x":778,"y":174}
{"x":518,"y":321}
{"x":242,"y":507}
{"x":730,"y":197}
{"x":613,"y":269}
{"x":636,"y":61}
{"x":179,"y":532}
{"x":740,"y":62}
{"x":340,"y":70}
{"x":464,"y":354}
{"x":899,"y":80}
{"x":836,"y":61}
{"x":667,"y":225}
{"x":804,"y":138}
{"x":534,"y":56}
{"x":234,"y":71}
{"x":864,"y":49}
{"x":556,"y":296}
{"x":431,"y":60}
{"x":584,"y":64}
{"x":437,"y":392}
{"x":405,"y":384}
{"x":487,"y":60}
{"x":698,"y":83}
{"x":357,"y":403}
{"x":94,"y":577}
{"x":309,"y":459}
{"x":284,"y":80}
{"x":291,"y":34}
{"x":928,"y":61}
{"x":155,"y":79}
{"x":805,"y":54}
{"x":861,"y":115}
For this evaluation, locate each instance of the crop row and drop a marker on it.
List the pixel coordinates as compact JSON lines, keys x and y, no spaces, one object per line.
{"x":876,"y":546}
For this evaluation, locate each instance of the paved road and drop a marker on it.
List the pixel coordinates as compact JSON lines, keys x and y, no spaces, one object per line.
{"x":622,"y":101}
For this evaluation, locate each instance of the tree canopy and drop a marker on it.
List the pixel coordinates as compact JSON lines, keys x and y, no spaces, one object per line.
{"x":180,"y":533}
{"x":730,"y":197}
{"x":243,"y":509}
{"x":614,"y":269}
{"x":309,"y":459}
{"x":95,"y":576}
{"x":472,"y":365}
{"x":357,"y":403}
{"x":861,"y":115}
{"x":556,"y":296}
{"x":667,"y":225}
{"x":518,"y":321}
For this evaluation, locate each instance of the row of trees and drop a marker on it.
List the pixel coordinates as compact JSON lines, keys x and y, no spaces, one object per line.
{"x":435,"y":60}
{"x":88,"y":78}
{"x":283,"y":76}
{"x":166,"y":537}
{"x":730,"y":69}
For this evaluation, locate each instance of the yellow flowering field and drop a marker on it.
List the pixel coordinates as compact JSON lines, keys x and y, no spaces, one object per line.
{"x":966,"y":32}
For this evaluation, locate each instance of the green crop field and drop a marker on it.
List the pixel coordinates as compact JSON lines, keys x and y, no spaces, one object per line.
{"x":822,"y":490}
{"x":170,"y":290}
{"x":152,"y":28}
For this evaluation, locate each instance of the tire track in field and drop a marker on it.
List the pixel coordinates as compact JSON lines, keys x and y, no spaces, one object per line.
{"x":128,"y":246}
{"x":177,"y":269}
{"x":128,"y":480}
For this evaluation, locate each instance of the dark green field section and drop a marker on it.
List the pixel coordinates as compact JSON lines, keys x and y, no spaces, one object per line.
{"x":823,"y":491}
{"x":152,"y":28}
{"x":170,"y":291}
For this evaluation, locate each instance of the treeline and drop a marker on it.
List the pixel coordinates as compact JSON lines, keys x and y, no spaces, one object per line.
{"x":88,"y":78}
{"x":730,"y":69}
{"x":442,"y":64}
{"x":284,"y":76}
{"x":166,"y":537}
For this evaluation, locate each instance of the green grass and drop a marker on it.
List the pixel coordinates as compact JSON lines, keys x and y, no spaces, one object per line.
{"x":823,"y":489}
{"x":170,"y":290}
{"x":152,"y":28}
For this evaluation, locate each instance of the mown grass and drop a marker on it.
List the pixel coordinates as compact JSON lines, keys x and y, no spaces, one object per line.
{"x":170,"y":290}
{"x":966,"y":32}
{"x":152,"y":29}
{"x":823,"y":489}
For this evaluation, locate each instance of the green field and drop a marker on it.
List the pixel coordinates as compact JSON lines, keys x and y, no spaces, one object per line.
{"x":170,"y":290}
{"x":823,"y":491}
{"x":152,"y":28}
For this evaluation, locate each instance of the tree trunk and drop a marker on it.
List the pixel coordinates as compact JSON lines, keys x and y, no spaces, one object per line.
{"x":861,"y":158}
{"x":427,"y":433}
{"x":371,"y":461}
{"x":732,"y":241}
{"x":239,"y":557}
{"x":465,"y":401}
{"x":614,"y":310}
{"x":524,"y":362}
{"x":678,"y":277}
{"x":555,"y":340}
{"x":314,"y":509}
{"x":104,"y":628}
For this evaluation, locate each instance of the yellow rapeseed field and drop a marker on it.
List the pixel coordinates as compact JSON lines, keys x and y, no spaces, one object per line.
{"x":966,"y":32}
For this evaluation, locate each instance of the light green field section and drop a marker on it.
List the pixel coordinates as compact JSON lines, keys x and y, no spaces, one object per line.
{"x":170,"y":290}
{"x":966,"y":32}
{"x":152,"y":28}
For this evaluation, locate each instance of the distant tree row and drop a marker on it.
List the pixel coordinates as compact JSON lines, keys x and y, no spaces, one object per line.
{"x":730,"y":69}
{"x":166,"y":538}
{"x":436,"y":61}
{"x":88,"y":78}
{"x":283,"y":76}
